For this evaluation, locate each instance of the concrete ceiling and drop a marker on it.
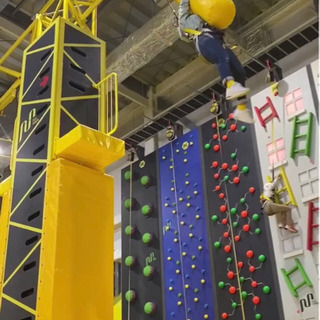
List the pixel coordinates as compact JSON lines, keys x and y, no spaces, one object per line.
{"x":164,"y":73}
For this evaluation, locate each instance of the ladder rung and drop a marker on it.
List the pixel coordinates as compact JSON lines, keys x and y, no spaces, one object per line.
{"x":315,"y":226}
{"x":315,"y":242}
{"x":302,"y":121}
{"x":300,"y":135}
{"x":300,"y":285}
{"x":299,"y":150}
{"x":294,"y":269}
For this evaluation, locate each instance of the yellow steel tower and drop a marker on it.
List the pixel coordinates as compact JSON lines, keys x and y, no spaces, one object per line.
{"x":56,"y":225}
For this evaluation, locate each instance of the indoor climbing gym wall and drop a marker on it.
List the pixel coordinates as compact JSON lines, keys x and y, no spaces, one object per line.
{"x":287,"y":127}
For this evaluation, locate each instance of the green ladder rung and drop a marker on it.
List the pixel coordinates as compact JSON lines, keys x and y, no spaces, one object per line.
{"x":302,"y":135}
{"x":300,"y":285}
{"x":302,"y":121}
{"x":299,"y":150}
{"x":294,"y":269}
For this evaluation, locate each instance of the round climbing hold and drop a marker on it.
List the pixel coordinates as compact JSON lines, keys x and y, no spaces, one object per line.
{"x":226,"y":178}
{"x":240,"y":264}
{"x":258,"y":316}
{"x":217,"y":188}
{"x":266,"y":289}
{"x":249,"y":254}
{"x":252,"y":190}
{"x":193,"y":257}
{"x":150,"y":308}
{"x":214,"y":125}
{"x":254,"y":284}
{"x":196,"y":290}
{"x":130,"y":261}
{"x":164,"y":157}
{"x":215,"y":164}
{"x":149,"y":271}
{"x":221,"y":284}
{"x":230,"y":116}
{"x":223,"y":208}
{"x":179,"y":295}
{"x":196,"y":299}
{"x":216,"y":148}
{"x":216,"y":176}
{"x":129,"y":203}
{"x":234,"y":305}
{"x":214,"y":218}
{"x":146,"y":210}
{"x":256,"y":300}
{"x":225,"y":137}
{"x":245,"y":169}
{"x":185,"y":160}
{"x":244,"y":214}
{"x":217,"y":244}
{"x":224,"y":221}
{"x":256,"y":217}
{"x":232,"y":290}
{"x":131,"y":296}
{"x":177,"y":271}
{"x":197,"y":217}
{"x":243,"y":128}
{"x":199,"y":248}
{"x":246,"y":228}
{"x":147,"y":238}
{"x":215,"y":136}
{"x":230,"y":274}
{"x":236,"y":180}
{"x":179,"y":303}
{"x":130,"y":230}
{"x":242,"y":200}
{"x":205,"y":316}
{"x":169,"y":258}
{"x":195,"y":192}
{"x":207,"y":146}
{"x":190,"y":235}
{"x":233,"y":155}
{"x":226,"y":234}
{"x":252,"y":269}
{"x":224,"y":315}
{"x":257,"y":231}
{"x":182,"y":223}
{"x":242,"y":279}
{"x":262,"y":258}
{"x":203,"y":281}
{"x":187,"y":183}
{"x":145,"y":181}
{"x":223,"y":126}
{"x":233,"y":127}
{"x":229,"y":260}
{"x":235,"y":224}
{"x":227,"y":248}
{"x":237,"y":238}
{"x":244,"y":294}
{"x":224,"y":166}
{"x":234,"y":167}
{"x":187,"y":286}
{"x":127,"y":175}
{"x":233,"y":211}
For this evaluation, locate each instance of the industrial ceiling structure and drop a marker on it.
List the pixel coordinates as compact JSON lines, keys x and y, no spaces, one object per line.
{"x":162,"y":78}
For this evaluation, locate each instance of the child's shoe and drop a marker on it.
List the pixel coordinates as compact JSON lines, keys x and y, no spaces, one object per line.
{"x":236,"y":91}
{"x":243,"y":116}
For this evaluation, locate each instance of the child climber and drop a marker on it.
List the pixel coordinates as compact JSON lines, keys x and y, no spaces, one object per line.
{"x":210,"y":44}
{"x":270,"y":208}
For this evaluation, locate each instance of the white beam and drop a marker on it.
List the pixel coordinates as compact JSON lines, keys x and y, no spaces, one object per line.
{"x":133,"y":96}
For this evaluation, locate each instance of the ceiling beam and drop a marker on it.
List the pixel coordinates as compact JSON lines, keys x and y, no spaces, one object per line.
{"x":133,"y":96}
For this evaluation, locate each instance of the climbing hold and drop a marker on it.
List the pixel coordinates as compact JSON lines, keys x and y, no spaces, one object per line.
{"x":185,"y":160}
{"x":234,"y":305}
{"x":223,"y":125}
{"x":131,"y":295}
{"x":199,"y":248}
{"x":195,"y":192}
{"x":214,"y":218}
{"x":149,"y":271}
{"x":266,"y":289}
{"x":226,"y":234}
{"x":235,"y":224}
{"x":245,"y":169}
{"x":180,"y":199}
{"x":227,"y":248}
{"x":187,"y":286}
{"x":175,"y":240}
{"x":127,"y":175}
{"x":246,"y":227}
{"x":214,"y":125}
{"x":145,"y":181}
{"x":254,"y":284}
{"x":258,"y":316}
{"x":262,"y":258}
{"x":252,"y":190}
{"x":232,"y":290}
{"x":196,"y":299}
{"x":182,"y":223}
{"x":169,"y":258}
{"x":179,"y":295}
{"x":224,"y":166}
{"x":256,"y":217}
{"x":217,"y":188}
{"x":230,"y":274}
{"x":242,"y":279}
{"x":216,"y":148}
{"x":229,"y":259}
{"x":226,"y":178}
{"x":224,"y":315}
{"x":240,"y":264}
{"x":193,"y":257}
{"x":187,"y":183}
{"x":215,"y":136}
{"x":190,"y":235}
{"x":203,"y":281}
{"x":130,"y":261}
{"x":216,"y":176}
{"x":224,"y":221}
{"x":150,"y":308}
{"x":130,"y":230}
{"x":236,"y":180}
{"x":249,"y":253}
{"x":205,"y":316}
{"x":164,"y":158}
{"x":217,"y":244}
{"x":244,"y":294}
{"x":177,"y":150}
{"x":188,"y":205}
{"x":221,"y":284}
{"x":177,"y":271}
{"x":207,"y":146}
{"x":146,"y":210}
{"x":243,"y":128}
{"x":244,"y":214}
{"x":221,"y":195}
{"x":257,"y":231}
{"x":234,"y":167}
{"x":197,"y":217}
{"x":237,"y":238}
{"x":252,"y":269}
{"x":233,"y":155}
{"x":256,"y":300}
{"x":196,"y":290}
{"x":233,"y":211}
{"x":225,"y":137}
{"x":242,"y":200}
{"x":179,"y":303}
{"x":129,"y":203}
{"x":223,"y":208}
{"x":233,"y":127}
{"x":147,"y":238}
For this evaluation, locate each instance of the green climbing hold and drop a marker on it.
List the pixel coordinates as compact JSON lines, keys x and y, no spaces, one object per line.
{"x":245,"y":169}
{"x":196,"y":290}
{"x":127,"y":175}
{"x":214,"y":218}
{"x":193,"y":257}
{"x":186,"y":175}
{"x":242,"y":279}
{"x":145,"y":181}
{"x":207,"y":146}
{"x":131,"y":295}
{"x":233,"y":155}
{"x":226,"y":178}
{"x":256,"y":217}
{"x":258,"y":316}
{"x":217,"y":244}
{"x":234,"y":305}
{"x":179,"y":295}
{"x":266,"y":289}
{"x":233,"y":211}
{"x":146,"y":210}
{"x":242,"y":200}
{"x":221,"y":284}
{"x":262,"y":258}
{"x":188,"y":197}
{"x":147,"y":238}
{"x":243,"y":128}
{"x":177,"y":262}
{"x":129,"y":230}
{"x":150,"y":308}
{"x":235,"y":224}
{"x":229,"y":259}
{"x":128,"y":203}
{"x":148,"y":271}
{"x":257,"y":231}
{"x":244,"y":294}
{"x":130,"y":261}
{"x":223,"y":126}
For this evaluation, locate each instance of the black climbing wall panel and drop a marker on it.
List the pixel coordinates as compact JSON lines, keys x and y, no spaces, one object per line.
{"x":143,"y":197}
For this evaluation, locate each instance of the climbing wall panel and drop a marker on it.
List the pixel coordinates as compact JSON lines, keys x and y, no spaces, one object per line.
{"x":187,"y":261}
{"x":242,"y":257}
{"x":142,"y":257}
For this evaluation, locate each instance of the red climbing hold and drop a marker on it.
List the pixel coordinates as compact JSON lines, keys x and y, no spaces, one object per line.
{"x":246,"y":228}
{"x":224,"y":221}
{"x":236,"y":180}
{"x":256,"y":300}
{"x":233,"y":127}
{"x":230,"y":275}
{"x":224,"y":315}
{"x":232,"y":290}
{"x":240,"y":264}
{"x":235,"y":167}
{"x":215,"y":136}
{"x":226,"y":234}
{"x":225,"y":138}
{"x":216,"y":176}
{"x":217,"y":188}
{"x":236,"y":238}
{"x":252,"y":189}
{"x":215,"y":164}
{"x":249,"y":253}
{"x":254,"y":284}
{"x":221,"y":195}
{"x":227,"y":248}
{"x":216,"y":147}
{"x":244,"y":214}
{"x":223,"y":208}
{"x":214,"y":125}
{"x":224,"y":166}
{"x":230,"y":116}
{"x":252,"y":268}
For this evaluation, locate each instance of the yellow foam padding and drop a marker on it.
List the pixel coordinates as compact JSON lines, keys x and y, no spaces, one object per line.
{"x":218,"y":13}
{"x":5,"y":186}
{"x":76,"y":264}
{"x":117,"y":310}
{"x":90,"y":147}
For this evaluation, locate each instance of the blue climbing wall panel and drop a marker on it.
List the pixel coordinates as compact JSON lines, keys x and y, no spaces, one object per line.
{"x":186,"y":256}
